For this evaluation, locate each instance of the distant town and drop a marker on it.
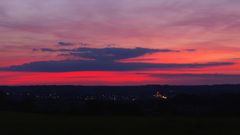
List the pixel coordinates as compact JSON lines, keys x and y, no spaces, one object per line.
{"x":134,"y":100}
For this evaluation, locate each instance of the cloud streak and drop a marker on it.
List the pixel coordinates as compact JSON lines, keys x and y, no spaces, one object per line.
{"x":197,"y":79}
{"x":92,"y":65}
{"x":104,"y":59}
{"x":101,"y":65}
{"x":63,"y":43}
{"x":196,"y":75}
{"x":106,"y":54}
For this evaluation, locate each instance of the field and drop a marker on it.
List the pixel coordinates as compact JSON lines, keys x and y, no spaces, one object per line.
{"x":41,"y":124}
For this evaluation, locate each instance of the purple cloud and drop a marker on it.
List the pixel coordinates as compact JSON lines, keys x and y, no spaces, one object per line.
{"x":104,"y":59}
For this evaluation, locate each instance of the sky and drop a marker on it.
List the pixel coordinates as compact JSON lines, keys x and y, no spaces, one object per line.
{"x":126,"y":42}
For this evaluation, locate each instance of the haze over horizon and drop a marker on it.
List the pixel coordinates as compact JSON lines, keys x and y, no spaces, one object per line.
{"x":127,"y":42}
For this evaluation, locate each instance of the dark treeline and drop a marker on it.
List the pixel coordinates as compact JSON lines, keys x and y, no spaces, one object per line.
{"x":216,"y":100}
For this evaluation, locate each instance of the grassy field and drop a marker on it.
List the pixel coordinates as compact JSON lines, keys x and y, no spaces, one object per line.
{"x":38,"y":124}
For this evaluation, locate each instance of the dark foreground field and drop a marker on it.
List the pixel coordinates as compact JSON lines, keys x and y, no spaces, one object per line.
{"x":39,"y":124}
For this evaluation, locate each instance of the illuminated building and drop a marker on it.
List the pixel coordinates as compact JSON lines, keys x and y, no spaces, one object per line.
{"x":159,"y":96}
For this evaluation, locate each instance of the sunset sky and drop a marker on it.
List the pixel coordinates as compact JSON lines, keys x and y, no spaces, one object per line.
{"x":124,"y":42}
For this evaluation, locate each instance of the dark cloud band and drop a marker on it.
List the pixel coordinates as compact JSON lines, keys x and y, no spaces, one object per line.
{"x":106,"y":54}
{"x":104,"y":59}
{"x":93,"y":65}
